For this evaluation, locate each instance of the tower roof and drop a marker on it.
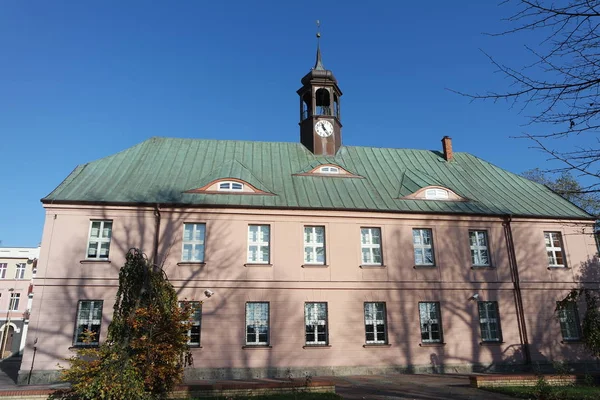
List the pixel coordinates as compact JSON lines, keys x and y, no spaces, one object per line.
{"x":318,"y":71}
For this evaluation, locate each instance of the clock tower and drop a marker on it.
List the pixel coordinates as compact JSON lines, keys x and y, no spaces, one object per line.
{"x":320,"y":126}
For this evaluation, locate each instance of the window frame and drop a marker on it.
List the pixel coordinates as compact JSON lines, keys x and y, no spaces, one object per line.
{"x":230,"y":187}
{"x":329,"y":169}
{"x":487,"y":321}
{"x":438,"y":320}
{"x":193,"y":242}
{"x":22,"y":271}
{"x":196,"y":308}
{"x":90,"y":321}
{"x":259,"y":244}
{"x":374,"y":323}
{"x":3,"y":269}
{"x":370,"y":246}
{"x":436,"y":194}
{"x":14,"y":301}
{"x":562,"y":316}
{"x":554,"y":250}
{"x":423,"y":247}
{"x":99,"y":240}
{"x":314,"y":245}
{"x":257,"y":343}
{"x":478,"y":248}
{"x":319,"y":322}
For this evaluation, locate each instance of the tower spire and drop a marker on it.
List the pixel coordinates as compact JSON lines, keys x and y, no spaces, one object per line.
{"x":319,"y":63}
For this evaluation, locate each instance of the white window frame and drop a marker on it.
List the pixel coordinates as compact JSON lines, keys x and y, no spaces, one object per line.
{"x":256,"y":319}
{"x":230,"y":186}
{"x":328,"y":169}
{"x":477,"y":249}
{"x":367,"y":243}
{"x":91,"y":321}
{"x":20,"y":271}
{"x":13,"y":303}
{"x":568,"y":317}
{"x":436,"y":194}
{"x":315,"y":316}
{"x":421,"y":246}
{"x":196,"y":226}
{"x":256,"y":239}
{"x":427,"y":322}
{"x":312,"y":245}
{"x":552,"y":250}
{"x":489,"y":316}
{"x":195,"y":321}
{"x":99,"y":240}
{"x":3,"y":269}
{"x":377,"y":320}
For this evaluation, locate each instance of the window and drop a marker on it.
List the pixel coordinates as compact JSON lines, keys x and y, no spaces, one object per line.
{"x":14,"y":301}
{"x":370,"y":243}
{"x":436,"y":194}
{"x":329,"y":170}
{"x":20,"y":274}
{"x":258,"y":244}
{"x":231,"y":186}
{"x":89,"y":317}
{"x":257,"y":324}
{"x":479,"y":248}
{"x":193,"y":333}
{"x":193,"y":242}
{"x":99,"y":242}
{"x":315,"y":321}
{"x":568,"y":317}
{"x":554,"y":249}
{"x":3,"y":268}
{"x":314,"y":245}
{"x":375,"y":323}
{"x":489,"y":321}
{"x":423,"y":243}
{"x":431,"y":322}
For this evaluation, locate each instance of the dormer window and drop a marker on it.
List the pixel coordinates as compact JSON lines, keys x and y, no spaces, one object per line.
{"x":231,"y":186}
{"x":329,"y":170}
{"x":436,"y":194}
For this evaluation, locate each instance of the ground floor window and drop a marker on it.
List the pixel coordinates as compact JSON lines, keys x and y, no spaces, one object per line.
{"x":89,"y":318}
{"x":431,"y":322}
{"x":489,"y":321}
{"x":257,"y":324}
{"x":375,"y":323}
{"x":315,"y":322}
{"x":568,"y":317}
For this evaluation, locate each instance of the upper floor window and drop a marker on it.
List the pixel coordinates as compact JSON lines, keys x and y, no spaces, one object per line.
{"x":375,"y":323}
{"x":20,"y":273}
{"x":231,"y":186}
{"x":14,"y":301}
{"x":489,"y":321}
{"x":314,"y":245}
{"x":431,"y":322}
{"x":370,"y":243}
{"x":315,"y":322}
{"x":568,"y":316}
{"x":436,"y":194}
{"x":423,"y":246}
{"x":329,"y":170}
{"x":479,"y":248}
{"x":89,"y":318}
{"x":3,"y":268}
{"x":193,"y":242}
{"x":193,"y":333}
{"x":99,"y":240}
{"x":554,"y":249}
{"x":258,"y":244}
{"x":257,"y":324}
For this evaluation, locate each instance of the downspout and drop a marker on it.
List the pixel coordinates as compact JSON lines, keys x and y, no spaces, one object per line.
{"x":156,"y":234}
{"x":514,"y":272}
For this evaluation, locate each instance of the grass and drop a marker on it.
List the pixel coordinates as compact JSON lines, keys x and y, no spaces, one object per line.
{"x":552,"y":392}
{"x":289,"y":396}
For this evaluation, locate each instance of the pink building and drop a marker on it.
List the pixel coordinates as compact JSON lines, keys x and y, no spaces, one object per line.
{"x":323,"y":258}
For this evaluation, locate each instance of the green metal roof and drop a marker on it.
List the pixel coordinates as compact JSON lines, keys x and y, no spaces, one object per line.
{"x":161,"y":170}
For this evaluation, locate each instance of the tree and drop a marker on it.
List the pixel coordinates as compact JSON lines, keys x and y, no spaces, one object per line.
{"x":146,"y":347}
{"x":562,"y":85}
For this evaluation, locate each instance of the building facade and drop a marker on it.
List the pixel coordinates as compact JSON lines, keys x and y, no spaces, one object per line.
{"x":323,"y":258}
{"x":17,"y":269}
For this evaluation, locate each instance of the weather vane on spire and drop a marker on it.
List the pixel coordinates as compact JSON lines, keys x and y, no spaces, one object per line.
{"x":319,"y":64}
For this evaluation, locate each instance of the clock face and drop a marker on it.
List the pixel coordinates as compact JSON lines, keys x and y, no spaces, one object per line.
{"x":324,"y":128}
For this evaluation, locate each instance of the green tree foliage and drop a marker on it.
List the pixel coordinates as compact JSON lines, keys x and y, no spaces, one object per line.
{"x":146,"y":348}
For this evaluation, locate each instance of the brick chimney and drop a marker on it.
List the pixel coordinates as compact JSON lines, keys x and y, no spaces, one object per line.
{"x":447,"y":148}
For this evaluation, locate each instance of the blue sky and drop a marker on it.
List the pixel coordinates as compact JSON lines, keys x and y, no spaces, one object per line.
{"x":82,"y":80}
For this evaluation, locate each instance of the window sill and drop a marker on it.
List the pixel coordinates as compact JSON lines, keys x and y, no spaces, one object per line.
{"x":194,"y":346}
{"x":191,"y":263}
{"x":316,"y":346}
{"x":376,"y":345}
{"x":482,"y":267}
{"x":558,"y":267}
{"x":425,"y":266}
{"x":440,"y":344}
{"x":491,"y":343}
{"x":314,"y":266}
{"x":576,"y":341}
{"x":257,"y":265}
{"x":257,"y":347}
{"x":369,"y":266}
{"x":81,"y":347}
{"x":94,"y":261}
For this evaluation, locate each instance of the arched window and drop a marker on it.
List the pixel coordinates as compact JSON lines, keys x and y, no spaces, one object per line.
{"x":436,"y":194}
{"x":336,"y":106}
{"x":323,"y":102}
{"x":306,"y":106}
{"x":231,"y":186}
